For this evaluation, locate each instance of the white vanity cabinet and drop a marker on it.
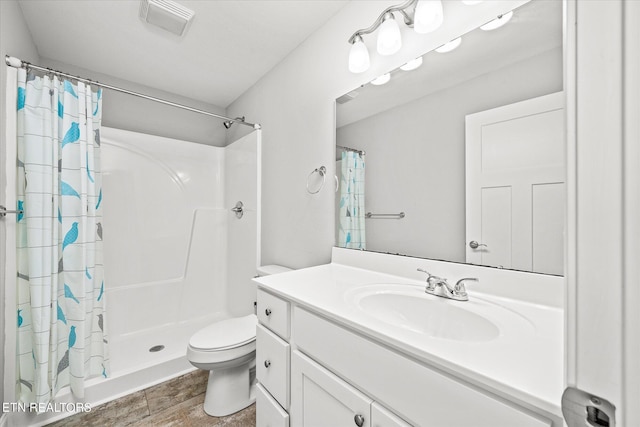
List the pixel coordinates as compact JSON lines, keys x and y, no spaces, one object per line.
{"x":290,"y":380}
{"x":336,"y":376}
{"x":272,"y":361}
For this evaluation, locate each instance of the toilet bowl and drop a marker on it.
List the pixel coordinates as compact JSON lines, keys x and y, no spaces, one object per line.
{"x":227,"y":349}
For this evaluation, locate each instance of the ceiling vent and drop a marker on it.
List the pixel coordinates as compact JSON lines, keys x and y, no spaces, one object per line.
{"x":166,"y":14}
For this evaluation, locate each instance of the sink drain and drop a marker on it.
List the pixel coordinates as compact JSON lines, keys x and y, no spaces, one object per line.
{"x":156,"y":348}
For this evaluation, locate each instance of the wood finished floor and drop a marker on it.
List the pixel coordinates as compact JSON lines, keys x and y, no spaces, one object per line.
{"x":177,"y":402}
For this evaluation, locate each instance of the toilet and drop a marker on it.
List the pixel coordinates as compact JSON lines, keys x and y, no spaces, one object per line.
{"x":227,"y":349}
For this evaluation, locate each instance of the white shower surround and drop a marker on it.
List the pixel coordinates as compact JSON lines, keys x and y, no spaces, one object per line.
{"x":176,"y":257}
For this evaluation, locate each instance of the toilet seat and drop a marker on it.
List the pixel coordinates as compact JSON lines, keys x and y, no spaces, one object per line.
{"x":225,"y":334}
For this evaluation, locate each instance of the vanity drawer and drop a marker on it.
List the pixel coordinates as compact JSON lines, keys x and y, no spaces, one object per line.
{"x":272,"y":364}
{"x":268,"y":412}
{"x":273,"y":312}
{"x":381,"y":417}
{"x":422,"y":395}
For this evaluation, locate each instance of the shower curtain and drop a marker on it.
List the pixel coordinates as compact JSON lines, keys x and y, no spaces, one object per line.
{"x":61,"y":336}
{"x":351,"y":231}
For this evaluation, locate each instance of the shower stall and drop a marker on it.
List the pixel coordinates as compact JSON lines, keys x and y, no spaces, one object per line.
{"x":176,"y":256}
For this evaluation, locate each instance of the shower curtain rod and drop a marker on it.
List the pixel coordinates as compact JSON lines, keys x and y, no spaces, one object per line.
{"x":350,"y":149}
{"x":18,"y":63}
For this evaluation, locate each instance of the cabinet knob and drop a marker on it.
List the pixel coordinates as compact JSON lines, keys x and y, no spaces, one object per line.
{"x":267,"y":311}
{"x":267,"y":363}
{"x":359,"y":420}
{"x":475,"y":245}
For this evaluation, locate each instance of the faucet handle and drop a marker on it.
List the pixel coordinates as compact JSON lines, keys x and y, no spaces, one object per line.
{"x":460,"y":284}
{"x":424,"y":271}
{"x":429,"y":279}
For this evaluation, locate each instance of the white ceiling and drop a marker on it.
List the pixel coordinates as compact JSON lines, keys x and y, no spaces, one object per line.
{"x":228,"y":48}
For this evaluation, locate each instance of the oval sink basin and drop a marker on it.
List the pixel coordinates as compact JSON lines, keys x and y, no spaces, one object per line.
{"x":408,"y":307}
{"x":435,"y":317}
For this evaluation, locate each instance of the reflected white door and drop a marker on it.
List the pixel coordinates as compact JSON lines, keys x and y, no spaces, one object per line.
{"x":515,"y":185}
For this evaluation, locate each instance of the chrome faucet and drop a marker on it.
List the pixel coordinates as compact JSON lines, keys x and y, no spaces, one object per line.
{"x":439,"y":287}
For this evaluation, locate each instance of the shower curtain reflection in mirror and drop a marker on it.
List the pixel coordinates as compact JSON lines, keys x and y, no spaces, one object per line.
{"x":60,"y":286}
{"x":351,"y":229}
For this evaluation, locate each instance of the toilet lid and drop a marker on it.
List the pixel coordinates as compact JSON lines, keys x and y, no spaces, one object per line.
{"x":226,"y":333}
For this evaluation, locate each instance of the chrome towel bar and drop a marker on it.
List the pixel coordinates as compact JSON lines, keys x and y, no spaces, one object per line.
{"x":373,"y":215}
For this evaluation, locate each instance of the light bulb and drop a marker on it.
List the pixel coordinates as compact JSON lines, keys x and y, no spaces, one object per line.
{"x":498,"y":22}
{"x":358,"y":56}
{"x":389,"y":39}
{"x":412,"y":65}
{"x":428,"y":16}
{"x":449,"y":46}
{"x":381,"y":80}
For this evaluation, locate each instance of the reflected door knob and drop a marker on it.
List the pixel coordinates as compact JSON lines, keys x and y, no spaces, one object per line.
{"x":475,"y":245}
{"x":238,"y":209}
{"x":359,"y":420}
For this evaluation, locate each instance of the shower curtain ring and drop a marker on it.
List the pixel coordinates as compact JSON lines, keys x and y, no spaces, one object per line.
{"x":323,"y":173}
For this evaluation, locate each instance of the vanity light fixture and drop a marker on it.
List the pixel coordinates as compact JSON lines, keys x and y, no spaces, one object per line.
{"x":428,"y":17}
{"x":358,"y":56}
{"x":498,"y":22}
{"x":389,"y":38}
{"x":423,"y":15}
{"x":381,"y":80}
{"x":448,"y":47}
{"x":412,"y":65}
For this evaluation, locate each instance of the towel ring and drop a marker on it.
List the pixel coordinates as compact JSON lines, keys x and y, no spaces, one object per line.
{"x":323,"y":173}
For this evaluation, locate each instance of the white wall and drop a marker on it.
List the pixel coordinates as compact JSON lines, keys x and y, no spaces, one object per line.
{"x":294,"y":103}
{"x":241,"y":184}
{"x":122,"y":111}
{"x":14,"y":40}
{"x":416,"y":157}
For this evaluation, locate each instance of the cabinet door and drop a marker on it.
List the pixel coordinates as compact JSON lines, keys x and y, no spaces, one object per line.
{"x":321,"y":399}
{"x":381,"y":417}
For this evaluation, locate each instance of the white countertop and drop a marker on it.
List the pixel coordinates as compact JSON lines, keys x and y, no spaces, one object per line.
{"x":524,"y":363}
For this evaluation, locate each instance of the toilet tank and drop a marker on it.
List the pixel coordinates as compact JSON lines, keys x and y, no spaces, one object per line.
{"x":267,"y":270}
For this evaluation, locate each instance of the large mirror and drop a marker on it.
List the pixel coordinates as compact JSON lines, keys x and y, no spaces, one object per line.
{"x":463,"y":158}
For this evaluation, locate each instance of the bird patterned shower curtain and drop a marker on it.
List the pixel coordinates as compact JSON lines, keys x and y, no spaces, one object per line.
{"x":61,"y":336}
{"x":351,"y":229}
